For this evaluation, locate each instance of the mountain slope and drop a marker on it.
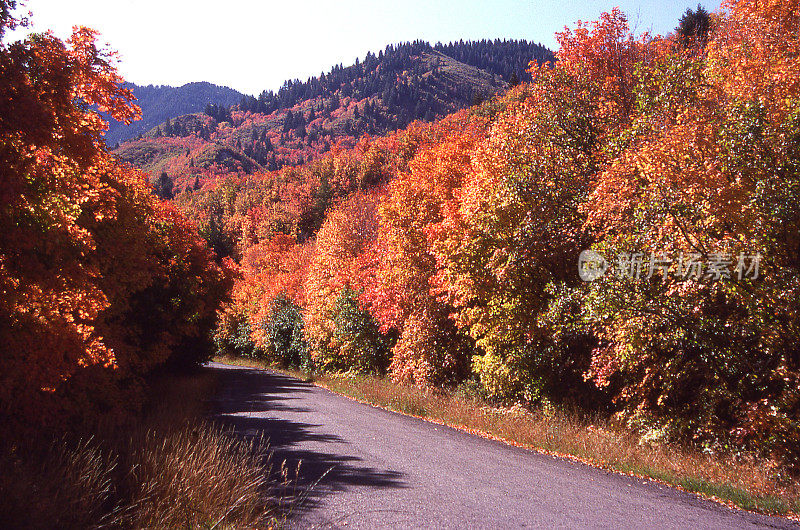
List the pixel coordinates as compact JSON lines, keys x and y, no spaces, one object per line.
{"x":384,"y":93}
{"x":159,"y":103}
{"x":506,"y":58}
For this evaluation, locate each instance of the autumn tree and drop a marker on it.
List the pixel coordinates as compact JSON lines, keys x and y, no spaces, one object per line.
{"x":754,"y":53}
{"x":263,"y":317}
{"x":509,"y":247}
{"x":99,"y":282}
{"x":709,"y":175}
{"x":342,"y":335}
{"x":430,"y":348}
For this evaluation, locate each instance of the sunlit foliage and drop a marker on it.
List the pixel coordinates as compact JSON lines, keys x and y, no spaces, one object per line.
{"x":100,"y":282}
{"x":460,"y":239}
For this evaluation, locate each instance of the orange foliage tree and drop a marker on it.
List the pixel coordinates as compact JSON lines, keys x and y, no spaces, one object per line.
{"x":99,"y":283}
{"x":430,"y":348}
{"x":709,"y":171}
{"x":509,"y":246}
{"x":755,"y":53}
{"x":257,"y":216}
{"x":341,"y":334}
{"x":272,"y":276}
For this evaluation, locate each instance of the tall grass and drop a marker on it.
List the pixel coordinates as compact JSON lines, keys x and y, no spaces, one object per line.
{"x":168,"y":469}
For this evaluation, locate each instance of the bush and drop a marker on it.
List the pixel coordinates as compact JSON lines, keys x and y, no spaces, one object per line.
{"x":283,"y":337}
{"x":357,"y":344}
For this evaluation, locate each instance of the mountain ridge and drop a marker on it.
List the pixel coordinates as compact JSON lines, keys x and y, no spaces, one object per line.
{"x":384,"y":93}
{"x":161,"y":102}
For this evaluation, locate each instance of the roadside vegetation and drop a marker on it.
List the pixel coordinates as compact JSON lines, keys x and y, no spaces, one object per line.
{"x":167,"y":467}
{"x":107,"y":299}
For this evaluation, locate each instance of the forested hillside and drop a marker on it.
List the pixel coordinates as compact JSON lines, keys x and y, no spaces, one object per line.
{"x":377,"y":73}
{"x":159,"y":103}
{"x":302,"y":120}
{"x":447,"y":252}
{"x":607,"y":235}
{"x":507,"y":58}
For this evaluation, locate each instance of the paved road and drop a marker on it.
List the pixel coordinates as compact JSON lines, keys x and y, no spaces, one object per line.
{"x":386,"y":470}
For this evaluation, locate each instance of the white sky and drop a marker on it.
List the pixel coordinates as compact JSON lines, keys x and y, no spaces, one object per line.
{"x":252,"y":46}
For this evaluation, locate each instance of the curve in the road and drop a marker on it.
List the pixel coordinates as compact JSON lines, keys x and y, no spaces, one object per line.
{"x":367,"y":467}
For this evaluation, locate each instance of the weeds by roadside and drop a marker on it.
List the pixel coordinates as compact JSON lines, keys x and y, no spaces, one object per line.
{"x":740,"y":481}
{"x":170,"y":468}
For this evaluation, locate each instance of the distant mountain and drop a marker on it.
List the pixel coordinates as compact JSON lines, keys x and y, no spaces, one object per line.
{"x":385,"y":92}
{"x":505,"y":59}
{"x":160,"y":103}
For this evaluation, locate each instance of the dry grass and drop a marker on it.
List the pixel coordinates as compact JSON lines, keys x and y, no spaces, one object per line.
{"x":195,"y":477}
{"x":60,"y":485}
{"x":169,"y":469}
{"x":740,"y":481}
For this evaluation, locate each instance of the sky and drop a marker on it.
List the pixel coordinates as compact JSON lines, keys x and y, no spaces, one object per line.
{"x":256,"y":45}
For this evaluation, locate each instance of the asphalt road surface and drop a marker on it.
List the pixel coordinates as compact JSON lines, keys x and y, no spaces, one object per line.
{"x":365,"y":467}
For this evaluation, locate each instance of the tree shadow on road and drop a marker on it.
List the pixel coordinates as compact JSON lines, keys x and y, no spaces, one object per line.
{"x":245,"y":401}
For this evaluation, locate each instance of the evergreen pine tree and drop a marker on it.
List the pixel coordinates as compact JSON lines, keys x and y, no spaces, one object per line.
{"x":163,"y":186}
